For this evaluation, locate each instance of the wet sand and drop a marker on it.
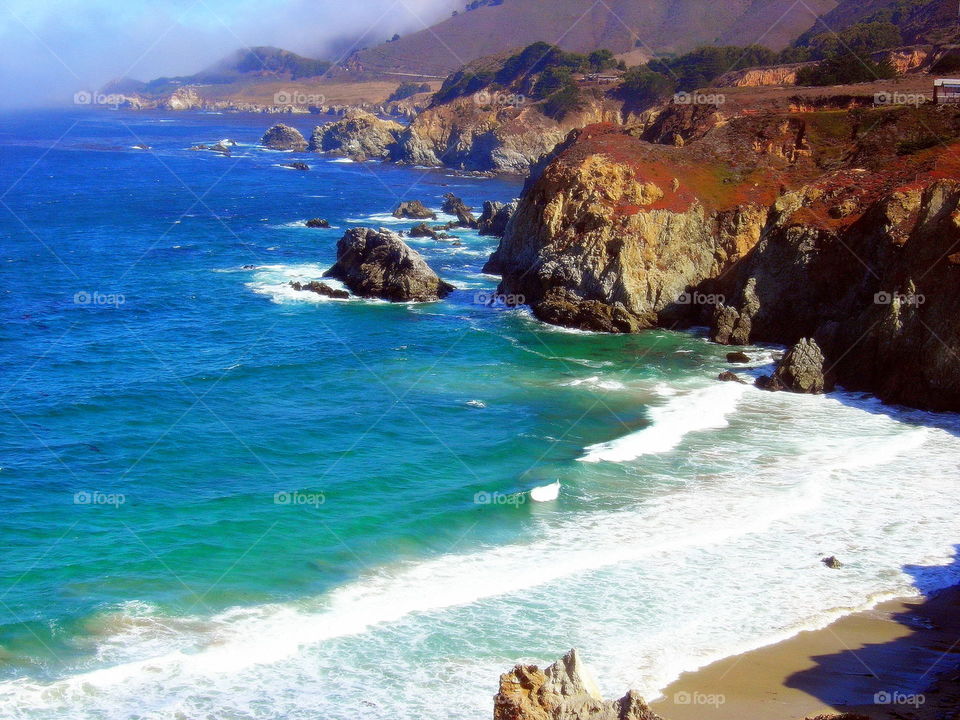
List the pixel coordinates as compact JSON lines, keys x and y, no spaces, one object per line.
{"x":899,"y":660}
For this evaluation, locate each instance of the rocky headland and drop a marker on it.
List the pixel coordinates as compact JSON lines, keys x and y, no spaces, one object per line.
{"x":836,"y":228}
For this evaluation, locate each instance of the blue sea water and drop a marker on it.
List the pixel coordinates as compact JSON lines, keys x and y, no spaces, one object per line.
{"x":225,"y":498}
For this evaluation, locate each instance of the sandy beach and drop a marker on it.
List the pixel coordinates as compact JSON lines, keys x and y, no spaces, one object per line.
{"x":898,"y":660}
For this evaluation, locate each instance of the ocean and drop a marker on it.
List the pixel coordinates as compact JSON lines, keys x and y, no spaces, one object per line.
{"x":223,"y":498}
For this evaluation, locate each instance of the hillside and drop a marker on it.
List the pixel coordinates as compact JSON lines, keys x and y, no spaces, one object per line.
{"x":248,"y":65}
{"x":919,"y":21}
{"x":662,"y":26}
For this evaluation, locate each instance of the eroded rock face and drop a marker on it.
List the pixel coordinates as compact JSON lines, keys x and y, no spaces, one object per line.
{"x":468,"y":135}
{"x":821,"y":225}
{"x":564,"y":691}
{"x":877,"y":292}
{"x":359,"y":134}
{"x":283,"y":137}
{"x":378,"y":264}
{"x":495,"y":216}
{"x":593,"y":230}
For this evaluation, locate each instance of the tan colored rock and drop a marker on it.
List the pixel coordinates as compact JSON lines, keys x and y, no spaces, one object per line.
{"x":564,"y":691}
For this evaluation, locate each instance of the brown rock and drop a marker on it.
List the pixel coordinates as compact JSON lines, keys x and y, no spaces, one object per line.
{"x":377,"y":263}
{"x":283,"y":137}
{"x":564,"y":691}
{"x":320,"y":289}
{"x":414,"y":210}
{"x":801,"y":370}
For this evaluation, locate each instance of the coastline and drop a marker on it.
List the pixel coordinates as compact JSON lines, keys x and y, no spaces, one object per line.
{"x":906,"y":651}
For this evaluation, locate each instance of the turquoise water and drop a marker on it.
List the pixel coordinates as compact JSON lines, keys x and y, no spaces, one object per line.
{"x":223,"y":496}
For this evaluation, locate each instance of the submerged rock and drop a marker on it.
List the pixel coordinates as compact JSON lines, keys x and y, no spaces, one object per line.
{"x":424,"y":230}
{"x":564,"y":691}
{"x":283,"y":137}
{"x":377,"y":263}
{"x":297,"y":166}
{"x":728,"y":376}
{"x":321,"y":289}
{"x":832,"y":563}
{"x":413,"y":210}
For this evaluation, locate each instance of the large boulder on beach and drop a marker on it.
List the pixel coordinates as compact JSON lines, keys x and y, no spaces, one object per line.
{"x":283,"y":137}
{"x":564,"y":691}
{"x":413,"y":210}
{"x":801,"y":371}
{"x":378,"y":264}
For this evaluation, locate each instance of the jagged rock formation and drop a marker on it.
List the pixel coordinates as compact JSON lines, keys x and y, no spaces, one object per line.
{"x":564,"y":691}
{"x":453,"y":204}
{"x":801,"y":370}
{"x":495,"y":216}
{"x":283,"y":137}
{"x":840,"y":227}
{"x":378,"y":264}
{"x":413,"y":210}
{"x":760,"y":77}
{"x":359,"y":135}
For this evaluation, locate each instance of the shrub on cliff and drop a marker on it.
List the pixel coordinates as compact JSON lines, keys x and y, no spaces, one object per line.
{"x":407,"y":89}
{"x":561,"y":103}
{"x":843,"y":69}
{"x":643,"y":86}
{"x":860,"y":39}
{"x":697,"y":68}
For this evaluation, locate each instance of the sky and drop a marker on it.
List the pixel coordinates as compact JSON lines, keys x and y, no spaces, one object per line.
{"x":52,"y":49}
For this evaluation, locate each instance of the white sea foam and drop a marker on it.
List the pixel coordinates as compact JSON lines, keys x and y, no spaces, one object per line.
{"x":713,"y":549}
{"x":703,"y":409}
{"x":274,"y":282}
{"x":595,"y":382}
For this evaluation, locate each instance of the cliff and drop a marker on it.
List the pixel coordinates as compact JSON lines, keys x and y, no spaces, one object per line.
{"x":491,"y":131}
{"x":841,"y":226}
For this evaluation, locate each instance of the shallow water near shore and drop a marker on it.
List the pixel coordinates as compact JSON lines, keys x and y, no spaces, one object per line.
{"x":227,"y":498}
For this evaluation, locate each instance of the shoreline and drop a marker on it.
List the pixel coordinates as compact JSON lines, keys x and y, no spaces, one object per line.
{"x":894,"y":660}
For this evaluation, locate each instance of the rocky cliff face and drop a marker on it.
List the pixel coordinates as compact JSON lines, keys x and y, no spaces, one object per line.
{"x":616,"y":233}
{"x":564,"y":691}
{"x":881,"y":295}
{"x":760,"y":77}
{"x":495,"y":133}
{"x":841,"y":227}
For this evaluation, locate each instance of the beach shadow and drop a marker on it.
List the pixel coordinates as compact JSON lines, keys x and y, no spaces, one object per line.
{"x":911,"y":672}
{"x":949,"y":422}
